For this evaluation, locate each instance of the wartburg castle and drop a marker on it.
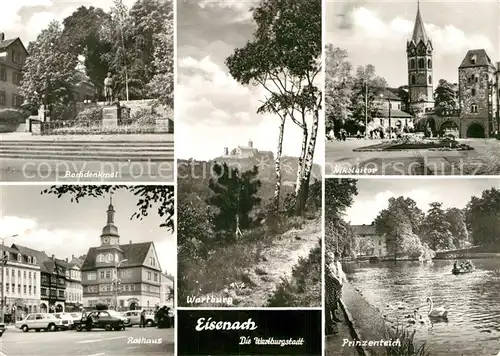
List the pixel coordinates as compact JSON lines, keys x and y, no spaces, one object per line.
{"x":476,"y":113}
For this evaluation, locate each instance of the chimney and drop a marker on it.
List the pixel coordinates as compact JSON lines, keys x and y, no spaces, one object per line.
{"x":130,"y":242}
{"x":250,"y":144}
{"x":66,"y":259}
{"x":53,"y":257}
{"x":226,"y":151}
{"x":72,"y":257}
{"x":2,"y":36}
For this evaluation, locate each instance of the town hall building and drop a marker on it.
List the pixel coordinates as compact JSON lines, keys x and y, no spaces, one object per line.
{"x":122,"y":276}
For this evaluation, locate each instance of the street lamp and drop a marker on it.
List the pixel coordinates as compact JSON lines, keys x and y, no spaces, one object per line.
{"x":366,"y":108}
{"x":116,"y":281}
{"x":390,"y":107}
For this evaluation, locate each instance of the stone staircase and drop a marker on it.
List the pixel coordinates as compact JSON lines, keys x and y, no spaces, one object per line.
{"x":104,"y":151}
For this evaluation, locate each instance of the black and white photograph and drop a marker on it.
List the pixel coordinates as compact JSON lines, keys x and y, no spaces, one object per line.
{"x":249,"y":153}
{"x":91,"y":275}
{"x":249,"y":332}
{"x":412,"y":266}
{"x":412,"y":88}
{"x":87,"y":91}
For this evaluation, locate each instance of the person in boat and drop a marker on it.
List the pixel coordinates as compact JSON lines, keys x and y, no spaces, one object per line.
{"x":455,"y":266}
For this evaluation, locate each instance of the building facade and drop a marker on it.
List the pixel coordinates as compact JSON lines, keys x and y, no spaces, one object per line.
{"x":390,"y":113}
{"x":122,"y":276}
{"x":74,"y":290}
{"x":20,"y":282}
{"x":420,"y":79}
{"x":377,"y":246}
{"x":11,"y":65}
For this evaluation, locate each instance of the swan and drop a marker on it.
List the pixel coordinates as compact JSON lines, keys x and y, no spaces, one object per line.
{"x":412,"y":319}
{"x":437,"y":312}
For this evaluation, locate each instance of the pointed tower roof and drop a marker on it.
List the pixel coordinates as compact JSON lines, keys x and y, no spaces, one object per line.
{"x":110,"y":229}
{"x":419,"y":33}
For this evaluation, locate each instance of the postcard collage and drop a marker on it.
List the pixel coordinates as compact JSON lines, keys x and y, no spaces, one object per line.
{"x":250,"y":177}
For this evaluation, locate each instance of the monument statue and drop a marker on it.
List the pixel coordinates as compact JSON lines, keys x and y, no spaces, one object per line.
{"x":108,"y":89}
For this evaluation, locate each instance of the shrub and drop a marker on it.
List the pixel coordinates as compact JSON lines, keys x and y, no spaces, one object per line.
{"x":10,"y":119}
{"x":144,"y":116}
{"x":63,"y":112}
{"x":407,"y":345}
{"x":89,"y":116}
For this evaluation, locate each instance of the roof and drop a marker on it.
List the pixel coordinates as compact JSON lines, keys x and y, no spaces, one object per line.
{"x":395,"y":114}
{"x":364,"y":229}
{"x":134,"y":253}
{"x":45,"y":263}
{"x":419,"y":33}
{"x":386,"y":93}
{"x":482,"y":59}
{"x":6,"y":43}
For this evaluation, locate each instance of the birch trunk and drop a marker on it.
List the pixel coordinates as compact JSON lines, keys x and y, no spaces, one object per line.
{"x":300,"y":164}
{"x":304,"y":185}
{"x":277,"y":165}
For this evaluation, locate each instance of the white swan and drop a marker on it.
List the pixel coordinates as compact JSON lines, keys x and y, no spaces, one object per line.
{"x":436,"y":312}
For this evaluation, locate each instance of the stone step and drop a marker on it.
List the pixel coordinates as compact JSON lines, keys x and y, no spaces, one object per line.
{"x":53,"y":143}
{"x":109,"y":149}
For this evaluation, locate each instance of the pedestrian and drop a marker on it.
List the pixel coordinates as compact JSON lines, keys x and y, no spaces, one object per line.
{"x":143,"y":319}
{"x":334,"y":278}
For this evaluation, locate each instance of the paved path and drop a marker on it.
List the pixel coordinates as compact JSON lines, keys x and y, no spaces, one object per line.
{"x":341,"y":159}
{"x":16,"y":136}
{"x":133,"y":341}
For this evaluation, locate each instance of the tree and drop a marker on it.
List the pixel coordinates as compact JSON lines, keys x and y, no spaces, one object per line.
{"x":284,"y":59}
{"x":444,"y":97}
{"x":400,"y":223}
{"x":436,"y":229}
{"x":160,"y":195}
{"x":194,"y":231}
{"x":458,"y":226}
{"x":405,"y":98}
{"x":339,"y":195}
{"x":235,"y":196}
{"x":82,"y":33}
{"x":364,"y":99}
{"x":483,"y":217}
{"x":49,"y":70}
{"x":338,"y":84}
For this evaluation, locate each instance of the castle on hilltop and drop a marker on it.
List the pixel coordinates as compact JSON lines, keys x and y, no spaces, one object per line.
{"x":242,"y":152}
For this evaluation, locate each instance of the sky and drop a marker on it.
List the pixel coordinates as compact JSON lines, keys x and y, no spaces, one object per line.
{"x":27,"y":18}
{"x":376,"y":32}
{"x":373,"y":194}
{"x":60,"y":227}
{"x":213,"y":110}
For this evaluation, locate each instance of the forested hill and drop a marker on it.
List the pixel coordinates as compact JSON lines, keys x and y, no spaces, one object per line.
{"x":193,"y":176}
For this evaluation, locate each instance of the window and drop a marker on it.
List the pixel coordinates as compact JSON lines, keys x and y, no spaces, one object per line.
{"x":3,"y":73}
{"x":429,"y":64}
{"x":108,"y":288}
{"x":24,"y":289}
{"x":34,"y":261}
{"x":19,"y":273}
{"x":108,"y":274}
{"x":24,"y":274}
{"x":17,"y":101}
{"x":7,"y":288}
{"x":412,"y":64}
{"x":473,"y":59}
{"x":413,"y":79}
{"x":2,"y":97}
{"x":473,"y":92}
{"x":101,"y":275}
{"x":149,"y":276}
{"x":29,"y":274}
{"x":13,"y":273}
{"x":148,"y":288}
{"x":473,"y":108}
{"x":430,"y":79}
{"x":156,"y":277}
{"x":421,"y":63}
{"x":100,"y":258}
{"x":18,"y":289}
{"x":109,"y":257}
{"x":29,"y":290}
{"x":16,"y":78}
{"x":17,"y":57}
{"x":476,"y":78}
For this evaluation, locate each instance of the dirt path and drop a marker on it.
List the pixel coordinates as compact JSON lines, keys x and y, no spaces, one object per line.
{"x":277,"y":262}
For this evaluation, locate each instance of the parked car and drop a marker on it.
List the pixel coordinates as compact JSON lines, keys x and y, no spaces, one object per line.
{"x":67,"y":320}
{"x":2,"y":329}
{"x":134,"y":317}
{"x":102,"y":319}
{"x":41,"y":321}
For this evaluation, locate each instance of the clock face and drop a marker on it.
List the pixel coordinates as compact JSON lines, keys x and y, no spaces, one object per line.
{"x":106,"y":240}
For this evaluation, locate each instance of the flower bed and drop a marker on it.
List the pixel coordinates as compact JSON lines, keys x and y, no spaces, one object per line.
{"x":99,"y":130}
{"x":417,"y":143}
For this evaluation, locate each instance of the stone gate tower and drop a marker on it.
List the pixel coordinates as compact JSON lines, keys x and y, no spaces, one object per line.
{"x":420,"y":80}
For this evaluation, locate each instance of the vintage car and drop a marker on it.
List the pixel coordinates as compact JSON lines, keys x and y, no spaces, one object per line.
{"x":134,"y":317}
{"x":66,"y":317}
{"x":102,"y":319}
{"x":2,"y":329}
{"x":41,"y":321}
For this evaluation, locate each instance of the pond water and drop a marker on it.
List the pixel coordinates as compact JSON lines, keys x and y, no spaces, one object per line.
{"x":472,"y":301}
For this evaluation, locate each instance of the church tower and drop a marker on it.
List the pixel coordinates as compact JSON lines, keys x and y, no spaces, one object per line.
{"x":420,"y":80}
{"x":109,"y":236}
